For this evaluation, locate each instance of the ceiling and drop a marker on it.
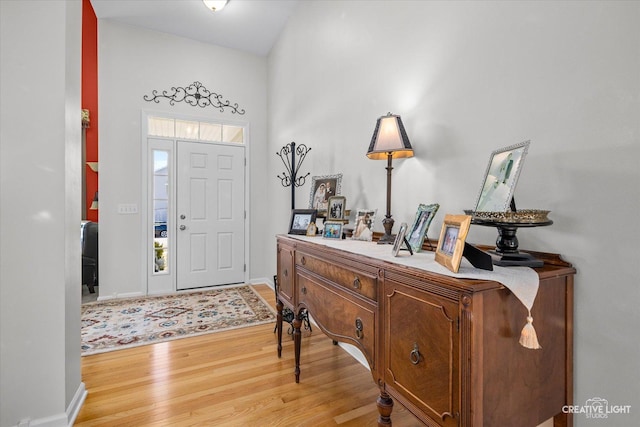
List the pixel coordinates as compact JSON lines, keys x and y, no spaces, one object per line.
{"x":247,"y":25}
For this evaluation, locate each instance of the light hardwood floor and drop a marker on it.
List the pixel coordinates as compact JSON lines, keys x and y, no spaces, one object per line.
{"x":231,"y":378}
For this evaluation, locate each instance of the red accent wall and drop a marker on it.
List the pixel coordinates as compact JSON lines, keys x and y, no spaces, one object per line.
{"x":90,"y":98}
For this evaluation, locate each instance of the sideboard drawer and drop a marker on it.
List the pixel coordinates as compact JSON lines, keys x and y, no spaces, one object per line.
{"x":348,"y":318}
{"x":365,"y":284}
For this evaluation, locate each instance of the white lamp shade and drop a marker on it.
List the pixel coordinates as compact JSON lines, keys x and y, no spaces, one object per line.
{"x":389,"y":136}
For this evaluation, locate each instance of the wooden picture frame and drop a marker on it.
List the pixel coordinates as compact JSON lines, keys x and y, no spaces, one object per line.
{"x":332,"y":230}
{"x":300,"y":220}
{"x":451,"y":242}
{"x":323,"y":187}
{"x":397,"y":244}
{"x":501,"y":177}
{"x":336,"y":207}
{"x":418,"y":231}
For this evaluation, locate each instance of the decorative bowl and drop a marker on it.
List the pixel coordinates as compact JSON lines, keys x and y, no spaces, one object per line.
{"x":524,"y":216}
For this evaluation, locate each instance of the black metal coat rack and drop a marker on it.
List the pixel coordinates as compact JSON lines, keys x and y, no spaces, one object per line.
{"x":290,"y":176}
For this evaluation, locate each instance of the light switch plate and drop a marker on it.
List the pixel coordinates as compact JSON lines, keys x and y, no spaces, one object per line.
{"x":128,"y":209}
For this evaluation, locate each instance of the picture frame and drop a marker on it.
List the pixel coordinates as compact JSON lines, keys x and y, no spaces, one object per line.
{"x":323,"y":187}
{"x":312,"y":229}
{"x":336,"y":207}
{"x":501,"y":177}
{"x":332,"y":230}
{"x":451,"y":242}
{"x":400,"y":238}
{"x":365,"y":219}
{"x":300,"y":220}
{"x":418,"y":231}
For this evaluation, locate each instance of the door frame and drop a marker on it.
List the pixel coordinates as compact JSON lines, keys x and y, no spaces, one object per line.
{"x":168,"y":285}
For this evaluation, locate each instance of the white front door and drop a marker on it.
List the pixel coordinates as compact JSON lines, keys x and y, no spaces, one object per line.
{"x":210,"y":214}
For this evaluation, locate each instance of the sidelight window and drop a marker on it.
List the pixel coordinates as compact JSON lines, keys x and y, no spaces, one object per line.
{"x":160,"y":211}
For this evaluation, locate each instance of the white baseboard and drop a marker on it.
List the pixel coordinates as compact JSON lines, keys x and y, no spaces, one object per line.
{"x":262,"y":281}
{"x":258,"y":281}
{"x":60,"y":420}
{"x":76,"y":404}
{"x":123,"y":295}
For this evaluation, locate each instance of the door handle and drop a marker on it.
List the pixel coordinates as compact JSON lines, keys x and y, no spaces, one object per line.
{"x":183,"y":227}
{"x":183,"y":216}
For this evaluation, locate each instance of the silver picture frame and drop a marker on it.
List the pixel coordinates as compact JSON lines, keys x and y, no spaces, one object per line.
{"x":323,"y":187}
{"x":365,"y":218}
{"x":418,"y":231}
{"x":501,"y":177}
{"x":400,"y":239}
{"x":332,"y":230}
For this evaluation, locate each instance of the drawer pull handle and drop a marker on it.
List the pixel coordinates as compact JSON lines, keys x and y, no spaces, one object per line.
{"x":286,"y":273}
{"x":359,"y":327}
{"x":356,"y":283}
{"x":415,"y":355}
{"x":303,"y":261}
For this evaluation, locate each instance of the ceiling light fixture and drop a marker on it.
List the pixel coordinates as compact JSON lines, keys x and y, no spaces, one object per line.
{"x":215,"y":5}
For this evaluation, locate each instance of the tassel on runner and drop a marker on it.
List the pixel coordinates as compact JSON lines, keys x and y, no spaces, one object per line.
{"x":528,"y":336}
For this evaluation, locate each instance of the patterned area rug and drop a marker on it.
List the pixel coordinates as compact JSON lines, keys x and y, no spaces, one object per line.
{"x":130,"y":322}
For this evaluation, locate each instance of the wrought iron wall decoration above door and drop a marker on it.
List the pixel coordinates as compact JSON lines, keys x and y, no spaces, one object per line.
{"x":196,"y":95}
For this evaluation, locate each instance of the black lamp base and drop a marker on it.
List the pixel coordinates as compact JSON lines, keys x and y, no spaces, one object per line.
{"x":387,"y":238}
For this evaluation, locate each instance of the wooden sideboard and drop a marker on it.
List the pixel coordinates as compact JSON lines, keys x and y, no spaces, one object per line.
{"x":446,"y":348}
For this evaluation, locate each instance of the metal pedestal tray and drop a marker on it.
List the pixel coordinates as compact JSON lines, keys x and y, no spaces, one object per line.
{"x":506,"y":252}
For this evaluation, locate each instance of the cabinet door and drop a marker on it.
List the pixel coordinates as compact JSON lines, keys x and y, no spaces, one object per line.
{"x":421,"y":351}
{"x":285,"y":274}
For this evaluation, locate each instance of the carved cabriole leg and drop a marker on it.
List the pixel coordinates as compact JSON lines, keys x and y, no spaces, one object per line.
{"x":279,"y":307}
{"x":297,"y":339}
{"x":385,"y":407}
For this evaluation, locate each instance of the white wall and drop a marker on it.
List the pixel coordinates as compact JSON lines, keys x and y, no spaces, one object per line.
{"x":468,"y":78}
{"x":40,"y":212}
{"x":132,"y":63}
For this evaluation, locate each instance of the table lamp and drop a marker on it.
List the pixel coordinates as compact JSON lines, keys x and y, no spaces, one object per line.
{"x":389,"y":141}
